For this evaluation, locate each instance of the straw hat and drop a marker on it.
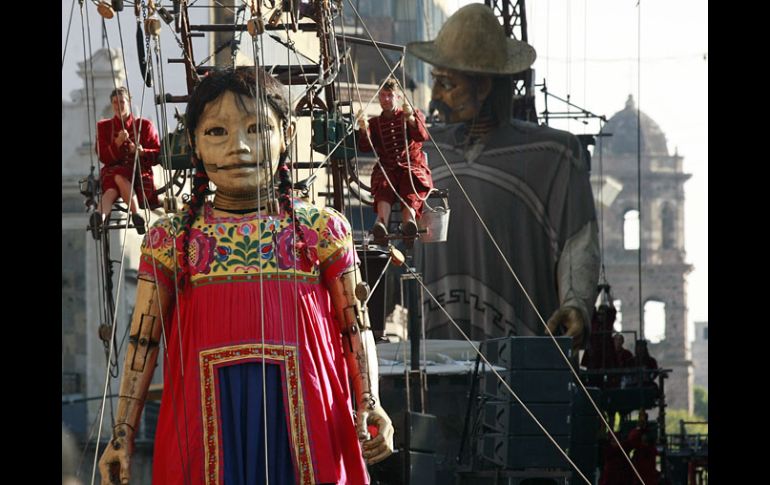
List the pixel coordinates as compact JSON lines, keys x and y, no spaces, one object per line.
{"x":472,"y":40}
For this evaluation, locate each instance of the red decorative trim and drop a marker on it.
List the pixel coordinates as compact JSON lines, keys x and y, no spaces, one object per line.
{"x":284,"y":355}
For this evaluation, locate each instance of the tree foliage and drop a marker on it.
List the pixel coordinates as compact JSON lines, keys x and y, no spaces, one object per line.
{"x":673,"y":418}
{"x":701,"y":395}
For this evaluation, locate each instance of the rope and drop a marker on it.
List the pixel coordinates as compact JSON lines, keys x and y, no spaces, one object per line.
{"x":67,"y":37}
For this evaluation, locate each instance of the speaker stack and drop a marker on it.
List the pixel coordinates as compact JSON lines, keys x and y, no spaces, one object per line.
{"x":584,"y":437}
{"x":533,"y":368}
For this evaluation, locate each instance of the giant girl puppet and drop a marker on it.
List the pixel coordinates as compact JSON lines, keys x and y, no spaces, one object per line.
{"x":256,"y":303}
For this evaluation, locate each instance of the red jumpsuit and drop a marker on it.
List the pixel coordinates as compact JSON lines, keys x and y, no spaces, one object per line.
{"x":616,"y":470}
{"x":643,"y":457}
{"x":387,"y":136}
{"x":118,"y":161}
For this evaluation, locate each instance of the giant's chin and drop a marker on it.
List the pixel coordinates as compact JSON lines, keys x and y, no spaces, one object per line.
{"x":247,"y":187}
{"x":464,"y":116}
{"x":241,"y":182}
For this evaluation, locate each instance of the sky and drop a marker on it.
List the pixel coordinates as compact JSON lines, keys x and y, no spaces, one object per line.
{"x":587,"y":49}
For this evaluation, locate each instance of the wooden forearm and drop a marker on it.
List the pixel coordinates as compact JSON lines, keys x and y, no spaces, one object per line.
{"x":357,"y":338}
{"x":361,"y":357}
{"x":141,"y":356}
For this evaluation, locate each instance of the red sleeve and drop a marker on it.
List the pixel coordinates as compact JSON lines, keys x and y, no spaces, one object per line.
{"x":152,"y":270}
{"x":363,"y":139}
{"x":419,"y":132}
{"x":105,"y":148}
{"x":150,"y":142}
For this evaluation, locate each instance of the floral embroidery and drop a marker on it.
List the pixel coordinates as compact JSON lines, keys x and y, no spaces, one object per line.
{"x":335,"y":229}
{"x":249,"y":246}
{"x":305,"y":248}
{"x":285,"y":254}
{"x":158,"y":237}
{"x":246,"y":229}
{"x":200,"y":253}
{"x":223,"y":252}
{"x":267,"y":251}
{"x":240,"y":251}
{"x":307,"y":216}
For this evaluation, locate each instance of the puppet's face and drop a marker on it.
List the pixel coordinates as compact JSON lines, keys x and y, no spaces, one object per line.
{"x":455,"y":96}
{"x":230,"y":141}
{"x":121,"y":106}
{"x":388,"y":99}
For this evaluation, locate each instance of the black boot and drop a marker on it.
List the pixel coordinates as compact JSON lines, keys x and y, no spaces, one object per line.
{"x":409,"y":229}
{"x":138,"y":221}
{"x":95,"y":224}
{"x":380,"y":233}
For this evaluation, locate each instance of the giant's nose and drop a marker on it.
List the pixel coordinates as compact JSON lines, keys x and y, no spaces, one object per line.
{"x":435,"y":90}
{"x":242,"y":142}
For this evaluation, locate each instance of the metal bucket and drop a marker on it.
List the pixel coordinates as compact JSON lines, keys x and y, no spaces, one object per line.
{"x":436,"y":224}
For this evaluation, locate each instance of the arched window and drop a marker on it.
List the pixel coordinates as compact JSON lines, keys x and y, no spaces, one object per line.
{"x":668,"y":227}
{"x":631,"y":230}
{"x":618,"y":325}
{"x":654,"y":321}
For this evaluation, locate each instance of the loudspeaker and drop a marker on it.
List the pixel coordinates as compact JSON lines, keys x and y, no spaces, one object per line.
{"x":509,"y":417}
{"x":585,"y":421}
{"x":586,"y":457}
{"x":420,"y":428}
{"x":581,"y":406}
{"x":405,"y":468}
{"x":518,"y":452}
{"x":446,"y":399}
{"x":584,"y":447}
{"x":528,"y":352}
{"x":544,"y":386}
{"x":539,"y":375}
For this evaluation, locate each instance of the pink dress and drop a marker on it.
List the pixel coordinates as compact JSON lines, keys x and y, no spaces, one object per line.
{"x":251,"y":298}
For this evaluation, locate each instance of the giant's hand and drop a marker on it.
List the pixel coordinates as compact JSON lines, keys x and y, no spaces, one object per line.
{"x":116,"y":462}
{"x":381,"y":446}
{"x":569,"y":321}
